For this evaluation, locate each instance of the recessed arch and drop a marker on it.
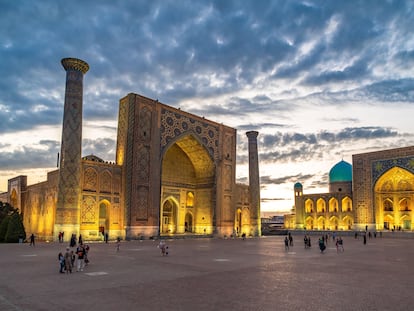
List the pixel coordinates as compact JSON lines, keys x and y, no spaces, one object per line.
{"x":321,"y":223}
{"x":321,"y":205}
{"x":393,"y":197}
{"x":169,"y":216}
{"x":333,"y":205}
{"x":347,"y":204}
{"x":188,"y":222}
{"x":188,"y":176}
{"x":103,"y":216}
{"x":309,"y":223}
{"x":309,"y":206}
{"x":333,"y":223}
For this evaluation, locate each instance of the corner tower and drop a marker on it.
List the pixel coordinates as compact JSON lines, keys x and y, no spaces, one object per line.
{"x":299,"y":212}
{"x":69,"y":185}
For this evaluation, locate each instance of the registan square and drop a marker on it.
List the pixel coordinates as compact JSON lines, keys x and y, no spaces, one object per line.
{"x":173,"y":180}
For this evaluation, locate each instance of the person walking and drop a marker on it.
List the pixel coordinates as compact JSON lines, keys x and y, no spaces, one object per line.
{"x":322,"y":245}
{"x":68,"y":261}
{"x":118,"y":243}
{"x":81,"y":256}
{"x":290,"y":239}
{"x":32,"y":240}
{"x":339,"y":245}
{"x":61,"y":262}
{"x":86,"y":259}
{"x":286,"y":243}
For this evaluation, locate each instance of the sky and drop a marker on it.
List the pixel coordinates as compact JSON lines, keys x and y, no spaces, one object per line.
{"x":319,"y":80}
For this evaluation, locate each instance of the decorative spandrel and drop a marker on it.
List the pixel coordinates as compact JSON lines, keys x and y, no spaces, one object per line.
{"x":174,"y":124}
{"x":381,"y":166}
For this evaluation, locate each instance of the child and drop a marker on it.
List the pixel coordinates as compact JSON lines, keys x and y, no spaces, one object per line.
{"x":163,"y":247}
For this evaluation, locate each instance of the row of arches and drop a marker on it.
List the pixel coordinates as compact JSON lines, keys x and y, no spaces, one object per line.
{"x":332,"y":206}
{"x":332,"y":223}
{"x":174,"y":221}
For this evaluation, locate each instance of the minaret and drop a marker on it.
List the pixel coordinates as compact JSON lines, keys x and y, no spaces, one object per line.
{"x":69,"y":188}
{"x":254,"y":183}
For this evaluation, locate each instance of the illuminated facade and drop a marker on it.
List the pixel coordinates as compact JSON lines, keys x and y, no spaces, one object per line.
{"x":174,"y":174}
{"x":375,"y":193}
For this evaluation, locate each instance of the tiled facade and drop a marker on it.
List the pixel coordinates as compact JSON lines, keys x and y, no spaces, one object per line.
{"x":380,"y":196}
{"x":174,"y":174}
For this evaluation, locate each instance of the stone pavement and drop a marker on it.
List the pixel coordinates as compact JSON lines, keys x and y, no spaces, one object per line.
{"x":212,"y":274}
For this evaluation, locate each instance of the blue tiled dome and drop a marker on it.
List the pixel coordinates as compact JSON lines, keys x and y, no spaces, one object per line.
{"x":298,"y":185}
{"x":341,"y":172}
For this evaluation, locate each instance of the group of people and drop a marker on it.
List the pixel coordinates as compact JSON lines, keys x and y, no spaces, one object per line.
{"x":61,"y":235}
{"x":307,"y":241}
{"x":288,"y":241}
{"x":79,"y":257}
{"x":322,"y":242}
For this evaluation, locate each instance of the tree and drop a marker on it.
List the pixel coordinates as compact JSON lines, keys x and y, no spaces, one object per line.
{"x":15,"y":229}
{"x":11,"y":224}
{"x":6,"y":210}
{"x":3,"y":228}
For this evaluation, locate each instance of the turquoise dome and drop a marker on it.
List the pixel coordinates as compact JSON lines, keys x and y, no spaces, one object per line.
{"x":298,"y":185}
{"x":341,"y":172}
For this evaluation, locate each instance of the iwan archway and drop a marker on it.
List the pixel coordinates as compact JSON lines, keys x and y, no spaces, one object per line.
{"x":394,"y":200}
{"x":187,"y":188}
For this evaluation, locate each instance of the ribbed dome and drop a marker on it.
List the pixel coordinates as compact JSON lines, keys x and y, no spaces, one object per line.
{"x":342,"y":171}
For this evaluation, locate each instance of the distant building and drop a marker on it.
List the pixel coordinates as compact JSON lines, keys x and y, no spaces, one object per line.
{"x":174,"y":174}
{"x":375,"y":193}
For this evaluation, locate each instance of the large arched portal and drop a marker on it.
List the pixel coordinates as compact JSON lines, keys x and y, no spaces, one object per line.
{"x":394,"y":197}
{"x":188,"y":176}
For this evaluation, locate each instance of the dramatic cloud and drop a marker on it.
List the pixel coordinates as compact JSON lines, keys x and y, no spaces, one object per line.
{"x":317,"y":80}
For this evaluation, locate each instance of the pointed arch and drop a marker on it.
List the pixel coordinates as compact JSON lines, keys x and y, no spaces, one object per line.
{"x":347,"y":223}
{"x":347,"y":204}
{"x":169,"y":209}
{"x":309,"y":223}
{"x":394,"y":198}
{"x":321,"y":205}
{"x":321,"y":223}
{"x":104,"y":215}
{"x":309,"y":206}
{"x":188,"y":175}
{"x":334,"y":223}
{"x":333,"y":205}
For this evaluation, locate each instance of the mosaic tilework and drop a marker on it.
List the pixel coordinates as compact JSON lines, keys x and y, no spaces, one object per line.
{"x":381,"y":166}
{"x":174,"y":124}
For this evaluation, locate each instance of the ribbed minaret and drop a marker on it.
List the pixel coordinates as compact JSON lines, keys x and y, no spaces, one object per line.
{"x":254,"y":183}
{"x":69,"y":187}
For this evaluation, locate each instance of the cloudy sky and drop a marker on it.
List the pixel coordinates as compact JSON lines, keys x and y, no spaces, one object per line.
{"x":319,"y":80}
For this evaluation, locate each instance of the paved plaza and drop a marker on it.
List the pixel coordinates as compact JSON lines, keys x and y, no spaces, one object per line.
{"x":212,"y":274}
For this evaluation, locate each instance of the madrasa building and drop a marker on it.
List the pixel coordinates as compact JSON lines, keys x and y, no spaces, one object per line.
{"x":375,"y":193}
{"x":174,"y":174}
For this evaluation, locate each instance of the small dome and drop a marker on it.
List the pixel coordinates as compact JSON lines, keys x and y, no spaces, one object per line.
{"x":341,"y":172}
{"x":298,"y":185}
